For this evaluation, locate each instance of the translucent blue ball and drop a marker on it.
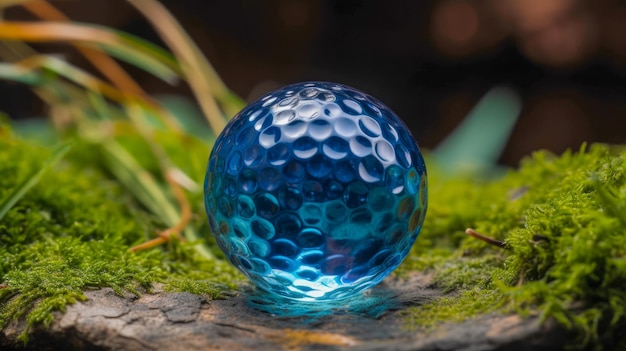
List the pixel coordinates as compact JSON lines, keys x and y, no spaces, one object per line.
{"x":316,"y":191}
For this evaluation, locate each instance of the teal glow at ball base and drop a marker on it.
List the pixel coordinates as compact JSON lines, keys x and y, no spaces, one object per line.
{"x":316,"y":191}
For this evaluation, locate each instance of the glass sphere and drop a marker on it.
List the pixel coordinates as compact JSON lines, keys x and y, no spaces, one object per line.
{"x":316,"y":191}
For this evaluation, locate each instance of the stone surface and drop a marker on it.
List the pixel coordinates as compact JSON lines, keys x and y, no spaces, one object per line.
{"x":183,"y":321}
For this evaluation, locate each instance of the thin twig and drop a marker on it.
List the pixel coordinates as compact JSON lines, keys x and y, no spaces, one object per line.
{"x":185,"y":210}
{"x":185,"y":207}
{"x":491,"y":241}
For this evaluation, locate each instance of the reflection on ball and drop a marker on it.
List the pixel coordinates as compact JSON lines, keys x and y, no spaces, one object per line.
{"x":316,"y":191}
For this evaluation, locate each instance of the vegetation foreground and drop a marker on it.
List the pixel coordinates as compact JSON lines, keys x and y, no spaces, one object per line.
{"x":559,"y":222}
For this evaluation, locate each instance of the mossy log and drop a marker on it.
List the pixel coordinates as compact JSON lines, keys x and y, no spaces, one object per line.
{"x":184,"y":321}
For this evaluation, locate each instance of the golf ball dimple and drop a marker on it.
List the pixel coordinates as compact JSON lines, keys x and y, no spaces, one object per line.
{"x":316,"y":191}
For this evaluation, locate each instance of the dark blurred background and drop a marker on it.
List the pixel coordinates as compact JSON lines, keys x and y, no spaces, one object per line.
{"x":429,"y":60}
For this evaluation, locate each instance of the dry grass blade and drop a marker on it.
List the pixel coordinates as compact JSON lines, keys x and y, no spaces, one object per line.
{"x":9,"y":3}
{"x":138,"y":52}
{"x":197,"y":70}
{"x":104,"y":63}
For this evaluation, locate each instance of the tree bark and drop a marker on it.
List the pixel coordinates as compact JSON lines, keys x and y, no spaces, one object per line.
{"x":183,"y":321}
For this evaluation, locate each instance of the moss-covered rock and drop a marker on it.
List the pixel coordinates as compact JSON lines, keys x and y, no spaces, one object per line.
{"x":561,"y":219}
{"x":563,"y":225}
{"x":73,"y":231}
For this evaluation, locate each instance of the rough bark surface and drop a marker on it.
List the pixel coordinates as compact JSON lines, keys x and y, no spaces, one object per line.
{"x":183,"y":321}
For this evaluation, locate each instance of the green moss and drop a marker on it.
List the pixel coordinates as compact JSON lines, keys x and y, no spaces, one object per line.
{"x":73,"y":231}
{"x":457,"y":307}
{"x":564,"y":224}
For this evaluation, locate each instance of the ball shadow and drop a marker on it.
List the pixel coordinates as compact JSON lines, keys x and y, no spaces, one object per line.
{"x":371,"y":304}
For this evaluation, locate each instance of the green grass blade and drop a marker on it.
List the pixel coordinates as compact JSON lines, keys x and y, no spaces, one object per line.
{"x":30,"y":181}
{"x":10,"y":71}
{"x":145,"y":55}
{"x":138,"y":181}
{"x":42,"y":71}
{"x":479,"y":140}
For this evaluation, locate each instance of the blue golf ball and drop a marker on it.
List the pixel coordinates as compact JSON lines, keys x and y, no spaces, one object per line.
{"x":316,"y":191}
